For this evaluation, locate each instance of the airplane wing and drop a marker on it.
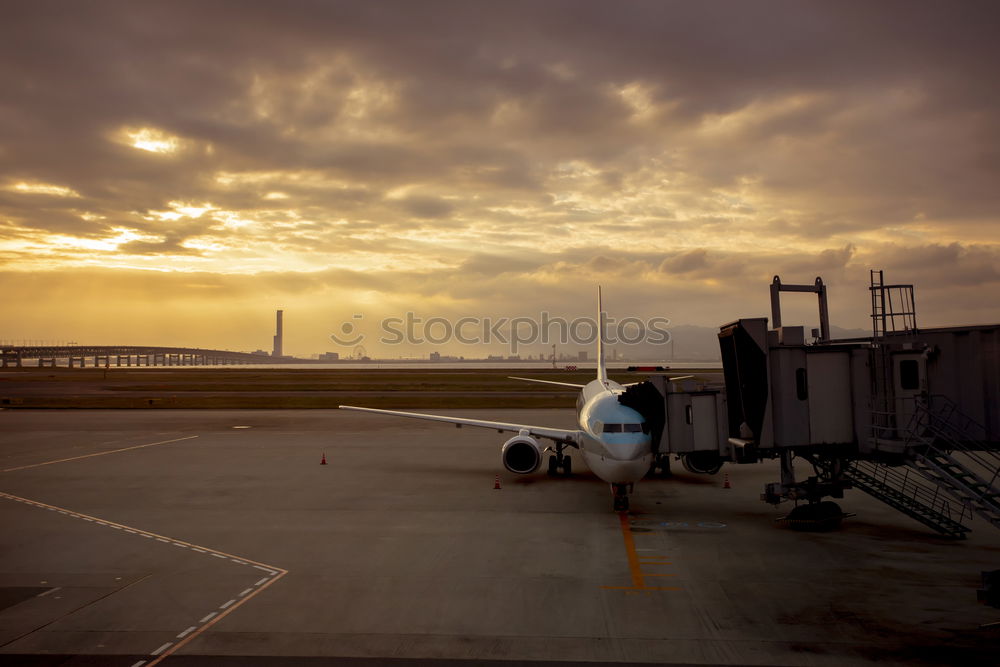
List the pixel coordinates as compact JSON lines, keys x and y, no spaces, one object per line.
{"x":676,"y":378}
{"x":561,"y":384}
{"x":557,"y":434}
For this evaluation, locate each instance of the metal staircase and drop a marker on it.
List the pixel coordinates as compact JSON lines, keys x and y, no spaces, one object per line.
{"x":937,"y":438}
{"x":903,"y":489}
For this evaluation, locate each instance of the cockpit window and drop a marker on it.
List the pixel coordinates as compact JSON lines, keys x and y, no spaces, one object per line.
{"x":625,"y":428}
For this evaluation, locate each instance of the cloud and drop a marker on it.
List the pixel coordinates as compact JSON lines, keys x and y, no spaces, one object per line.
{"x":469,"y":153}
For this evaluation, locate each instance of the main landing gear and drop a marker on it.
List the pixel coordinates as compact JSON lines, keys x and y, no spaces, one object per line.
{"x":621,"y":492}
{"x":660,"y":466}
{"x":560,"y":463}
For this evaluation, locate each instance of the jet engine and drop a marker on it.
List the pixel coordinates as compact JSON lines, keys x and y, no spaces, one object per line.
{"x":521,"y":454}
{"x":706,"y":462}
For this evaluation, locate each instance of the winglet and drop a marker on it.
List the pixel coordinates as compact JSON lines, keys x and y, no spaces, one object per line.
{"x":602,"y":371}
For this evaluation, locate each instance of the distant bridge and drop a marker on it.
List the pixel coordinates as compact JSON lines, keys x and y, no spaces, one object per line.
{"x":128,"y":355}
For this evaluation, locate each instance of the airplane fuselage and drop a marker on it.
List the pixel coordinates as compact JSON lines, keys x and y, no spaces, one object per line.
{"x":614,"y":439}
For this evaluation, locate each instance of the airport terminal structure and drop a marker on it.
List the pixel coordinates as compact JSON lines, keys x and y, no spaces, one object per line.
{"x":910,"y":416}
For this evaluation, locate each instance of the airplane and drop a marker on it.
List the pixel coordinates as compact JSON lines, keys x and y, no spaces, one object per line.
{"x":613,"y":439}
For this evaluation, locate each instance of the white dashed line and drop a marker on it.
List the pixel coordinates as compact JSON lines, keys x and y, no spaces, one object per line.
{"x":184,"y":637}
{"x":162,"y":648}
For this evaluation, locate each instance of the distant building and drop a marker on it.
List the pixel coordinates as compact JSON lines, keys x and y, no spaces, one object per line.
{"x":278,"y":336}
{"x":435,"y":356}
{"x":330,"y":356}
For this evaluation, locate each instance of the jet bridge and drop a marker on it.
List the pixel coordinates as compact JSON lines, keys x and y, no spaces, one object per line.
{"x":910,"y":416}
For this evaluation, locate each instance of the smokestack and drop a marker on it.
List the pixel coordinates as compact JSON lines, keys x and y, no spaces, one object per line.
{"x":277,"y":336}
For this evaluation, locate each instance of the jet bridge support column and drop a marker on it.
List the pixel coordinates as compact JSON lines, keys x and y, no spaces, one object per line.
{"x":818,"y":288}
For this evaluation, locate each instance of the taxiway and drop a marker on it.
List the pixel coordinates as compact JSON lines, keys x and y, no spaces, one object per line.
{"x":207,"y":537}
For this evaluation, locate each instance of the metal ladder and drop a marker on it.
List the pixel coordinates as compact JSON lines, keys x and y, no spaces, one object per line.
{"x":937,"y":435}
{"x":910,"y":494}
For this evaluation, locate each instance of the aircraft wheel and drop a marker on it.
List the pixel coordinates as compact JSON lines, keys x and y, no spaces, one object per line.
{"x":553,"y":466}
{"x":567,"y":466}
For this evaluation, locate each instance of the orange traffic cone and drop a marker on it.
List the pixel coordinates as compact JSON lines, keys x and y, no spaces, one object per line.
{"x":496,"y":482}
{"x":725,"y":483}
{"x":323,"y":462}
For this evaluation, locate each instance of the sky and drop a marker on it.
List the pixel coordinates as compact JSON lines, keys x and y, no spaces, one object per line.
{"x":171,"y":173}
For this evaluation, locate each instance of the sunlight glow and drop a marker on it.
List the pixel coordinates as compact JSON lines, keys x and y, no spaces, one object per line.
{"x":151,"y":139}
{"x":180,"y":210}
{"x":43,"y":189}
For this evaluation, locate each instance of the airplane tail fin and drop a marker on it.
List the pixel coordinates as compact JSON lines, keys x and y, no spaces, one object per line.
{"x":602,"y":371}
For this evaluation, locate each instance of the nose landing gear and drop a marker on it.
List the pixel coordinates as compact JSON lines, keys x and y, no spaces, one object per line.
{"x":621,"y":492}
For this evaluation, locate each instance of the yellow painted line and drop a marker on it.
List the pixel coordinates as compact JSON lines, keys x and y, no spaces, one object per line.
{"x":224,"y":610}
{"x":87,"y":456}
{"x":633,"y":558}
{"x":635,"y":563}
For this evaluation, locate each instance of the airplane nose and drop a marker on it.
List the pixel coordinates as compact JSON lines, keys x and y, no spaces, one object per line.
{"x":628,"y":451}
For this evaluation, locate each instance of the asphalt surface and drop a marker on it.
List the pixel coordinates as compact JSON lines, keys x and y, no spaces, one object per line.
{"x":217,"y":538}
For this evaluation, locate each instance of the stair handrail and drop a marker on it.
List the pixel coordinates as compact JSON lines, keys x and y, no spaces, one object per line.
{"x":909,"y":487}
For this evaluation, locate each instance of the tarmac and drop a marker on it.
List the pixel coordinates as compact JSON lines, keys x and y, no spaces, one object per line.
{"x":191,"y":537}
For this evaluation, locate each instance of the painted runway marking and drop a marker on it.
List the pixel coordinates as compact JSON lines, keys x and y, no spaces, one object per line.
{"x":635,"y":563}
{"x":87,"y":456}
{"x":162,"y":648}
{"x":51,"y":590}
{"x":139,"y":664}
{"x":210,"y":619}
